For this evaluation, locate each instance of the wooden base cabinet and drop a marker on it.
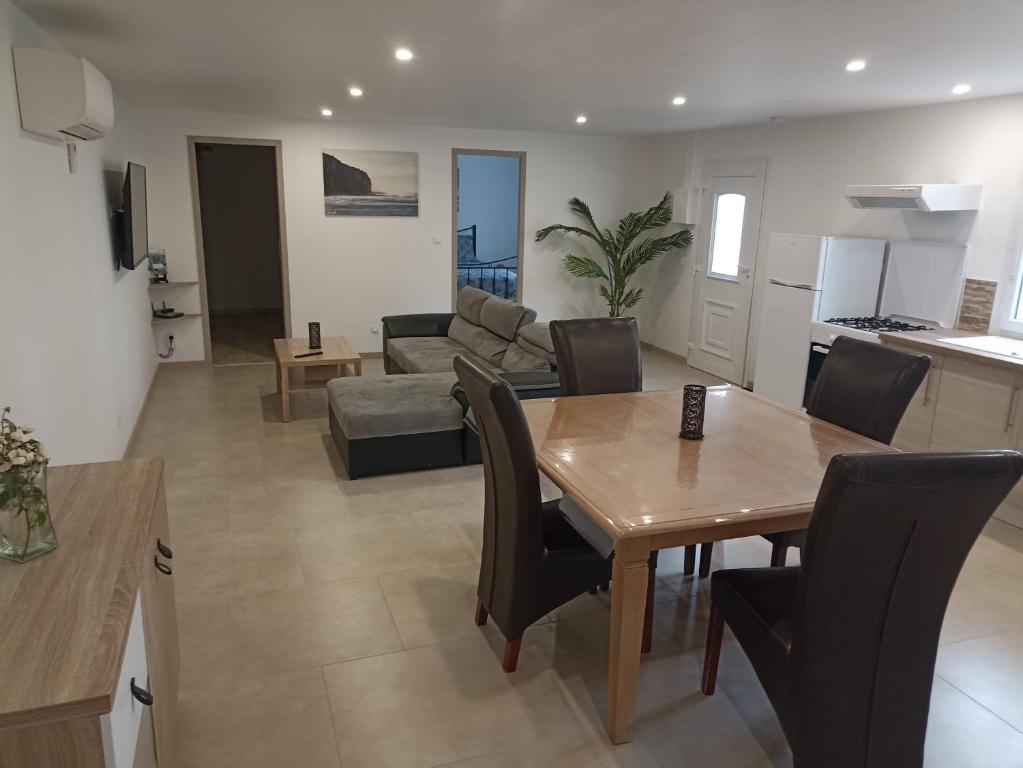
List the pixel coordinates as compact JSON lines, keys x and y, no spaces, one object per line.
{"x":965,"y":405}
{"x":914,"y":432}
{"x":89,"y":651}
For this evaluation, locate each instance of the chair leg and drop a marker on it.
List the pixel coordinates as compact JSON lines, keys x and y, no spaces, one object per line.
{"x":778,"y":552}
{"x":481,"y":613}
{"x":706,"y":553}
{"x":511,"y":655}
{"x":690,"y":562}
{"x":712,"y":655}
{"x":648,"y":616}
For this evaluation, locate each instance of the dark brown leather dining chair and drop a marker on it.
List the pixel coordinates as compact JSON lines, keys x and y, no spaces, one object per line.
{"x":533,"y":561}
{"x":865,"y":388}
{"x":845,"y":653}
{"x":599,"y":356}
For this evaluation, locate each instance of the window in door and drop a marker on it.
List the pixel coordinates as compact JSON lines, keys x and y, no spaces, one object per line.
{"x":726,"y":234}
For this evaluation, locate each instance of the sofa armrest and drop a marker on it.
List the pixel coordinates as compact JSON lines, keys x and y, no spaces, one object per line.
{"x":404,"y":326}
{"x":527,"y":385}
{"x":533,"y":384}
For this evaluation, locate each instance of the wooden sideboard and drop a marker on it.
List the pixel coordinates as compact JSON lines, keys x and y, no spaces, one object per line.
{"x":79,"y":624}
{"x":968,"y":401}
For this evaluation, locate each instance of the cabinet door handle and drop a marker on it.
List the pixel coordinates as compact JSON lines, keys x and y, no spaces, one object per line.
{"x":162,"y":567}
{"x":141,"y":694}
{"x":164,"y":550}
{"x":1010,"y":420}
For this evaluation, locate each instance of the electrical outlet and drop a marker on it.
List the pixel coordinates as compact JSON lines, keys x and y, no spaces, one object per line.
{"x":374,"y":329}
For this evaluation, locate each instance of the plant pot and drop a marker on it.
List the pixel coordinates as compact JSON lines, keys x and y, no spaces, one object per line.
{"x":25,"y":527}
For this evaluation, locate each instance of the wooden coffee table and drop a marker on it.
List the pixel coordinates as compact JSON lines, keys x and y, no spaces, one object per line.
{"x":336,"y":352}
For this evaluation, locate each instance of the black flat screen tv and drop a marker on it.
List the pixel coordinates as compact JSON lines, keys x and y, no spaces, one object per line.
{"x":134,"y":224}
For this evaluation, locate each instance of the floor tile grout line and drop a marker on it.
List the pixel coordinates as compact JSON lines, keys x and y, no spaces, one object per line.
{"x":978,"y":703}
{"x":390,"y":613}
{"x":330,"y":712}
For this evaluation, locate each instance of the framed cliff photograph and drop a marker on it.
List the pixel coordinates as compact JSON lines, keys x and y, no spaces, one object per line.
{"x":359,"y":182}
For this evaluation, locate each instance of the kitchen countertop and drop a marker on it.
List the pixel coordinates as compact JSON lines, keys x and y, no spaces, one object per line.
{"x":930,"y":341}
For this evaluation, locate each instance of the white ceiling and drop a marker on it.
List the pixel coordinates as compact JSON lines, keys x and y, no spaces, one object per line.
{"x":536,"y":64}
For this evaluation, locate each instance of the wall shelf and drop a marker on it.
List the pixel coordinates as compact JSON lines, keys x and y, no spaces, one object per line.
{"x":158,"y":320}
{"x":174,"y":284}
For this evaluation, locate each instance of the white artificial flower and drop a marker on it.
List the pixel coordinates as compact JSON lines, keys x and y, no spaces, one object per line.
{"x":4,"y":466}
{"x":18,"y":461}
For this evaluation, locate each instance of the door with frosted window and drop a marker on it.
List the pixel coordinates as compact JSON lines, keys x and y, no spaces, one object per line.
{"x":723,"y":290}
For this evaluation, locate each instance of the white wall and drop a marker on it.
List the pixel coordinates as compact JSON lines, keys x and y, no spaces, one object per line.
{"x":810,"y":162}
{"x":488,"y":196}
{"x":347,"y":272}
{"x":76,"y":351}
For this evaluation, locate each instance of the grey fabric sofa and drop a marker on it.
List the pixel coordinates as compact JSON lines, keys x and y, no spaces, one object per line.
{"x":414,"y":418}
{"x":494,"y":332}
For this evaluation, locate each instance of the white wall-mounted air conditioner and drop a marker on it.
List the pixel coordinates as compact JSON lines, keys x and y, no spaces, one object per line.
{"x":62,"y":96}
{"x":915,"y":197}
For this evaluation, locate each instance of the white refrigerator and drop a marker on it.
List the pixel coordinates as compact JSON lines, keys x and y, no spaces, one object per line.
{"x":810,"y":278}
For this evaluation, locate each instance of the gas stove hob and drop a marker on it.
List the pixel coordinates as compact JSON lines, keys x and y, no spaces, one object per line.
{"x":875,"y":324}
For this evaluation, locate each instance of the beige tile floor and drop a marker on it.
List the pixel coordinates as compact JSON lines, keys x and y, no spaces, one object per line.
{"x":325,"y":622}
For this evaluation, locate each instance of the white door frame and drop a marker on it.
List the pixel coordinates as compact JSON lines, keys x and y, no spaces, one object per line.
{"x":739,"y":166}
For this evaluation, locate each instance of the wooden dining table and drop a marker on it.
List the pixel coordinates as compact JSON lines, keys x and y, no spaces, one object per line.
{"x":620,"y":458}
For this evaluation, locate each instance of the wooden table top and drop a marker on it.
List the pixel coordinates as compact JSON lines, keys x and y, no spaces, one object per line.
{"x":336,"y":349}
{"x":757,"y":470}
{"x":66,"y":614}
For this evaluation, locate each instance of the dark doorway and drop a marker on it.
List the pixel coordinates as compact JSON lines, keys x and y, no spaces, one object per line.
{"x":241,"y":242}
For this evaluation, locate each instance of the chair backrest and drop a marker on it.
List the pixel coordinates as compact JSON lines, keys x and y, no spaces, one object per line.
{"x":512,"y":517}
{"x":889,"y":535}
{"x":598,"y":355}
{"x":866,"y":387}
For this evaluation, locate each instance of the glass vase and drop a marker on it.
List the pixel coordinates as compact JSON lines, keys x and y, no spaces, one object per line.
{"x":25,"y":527}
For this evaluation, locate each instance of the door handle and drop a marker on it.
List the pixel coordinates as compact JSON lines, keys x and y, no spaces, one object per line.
{"x":141,"y":694}
{"x":1010,"y":419}
{"x":164,"y":550}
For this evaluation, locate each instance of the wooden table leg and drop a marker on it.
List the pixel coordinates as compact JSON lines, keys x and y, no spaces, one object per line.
{"x":285,"y":394}
{"x":277,"y":374}
{"x":628,"y":600}
{"x":358,"y":367}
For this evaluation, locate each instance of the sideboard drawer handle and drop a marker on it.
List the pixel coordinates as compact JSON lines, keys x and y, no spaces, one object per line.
{"x":162,"y":567}
{"x":164,"y":549}
{"x":143,"y":696}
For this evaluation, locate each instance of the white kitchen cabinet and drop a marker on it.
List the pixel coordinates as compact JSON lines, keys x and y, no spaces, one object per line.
{"x":914,"y":432}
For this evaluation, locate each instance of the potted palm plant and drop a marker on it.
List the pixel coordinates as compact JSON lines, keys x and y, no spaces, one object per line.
{"x":624,"y":251}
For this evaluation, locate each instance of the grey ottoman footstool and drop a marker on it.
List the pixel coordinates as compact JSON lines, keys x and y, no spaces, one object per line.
{"x":390,"y":424}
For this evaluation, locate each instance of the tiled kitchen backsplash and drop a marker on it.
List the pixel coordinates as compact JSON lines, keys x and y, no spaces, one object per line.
{"x":977,"y":305}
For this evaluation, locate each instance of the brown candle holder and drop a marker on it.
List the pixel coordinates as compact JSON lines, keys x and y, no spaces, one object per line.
{"x":694,"y":405}
{"x":314,"y":335}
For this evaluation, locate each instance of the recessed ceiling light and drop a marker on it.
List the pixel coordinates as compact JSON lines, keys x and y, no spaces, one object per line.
{"x":326,"y":111}
{"x":355,"y":91}
{"x":678,"y":101}
{"x":581,"y":119}
{"x":960,"y":89}
{"x":856,"y":65}
{"x":403,"y":54}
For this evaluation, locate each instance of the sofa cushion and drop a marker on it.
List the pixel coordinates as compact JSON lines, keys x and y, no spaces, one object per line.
{"x":535,"y":338}
{"x":504,"y":317}
{"x":489,"y":346}
{"x":519,"y":359}
{"x":425,"y":354}
{"x":470,"y":303}
{"x":384,"y":406}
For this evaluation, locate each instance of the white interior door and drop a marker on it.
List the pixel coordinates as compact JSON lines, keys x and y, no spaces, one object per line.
{"x":723,"y":285}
